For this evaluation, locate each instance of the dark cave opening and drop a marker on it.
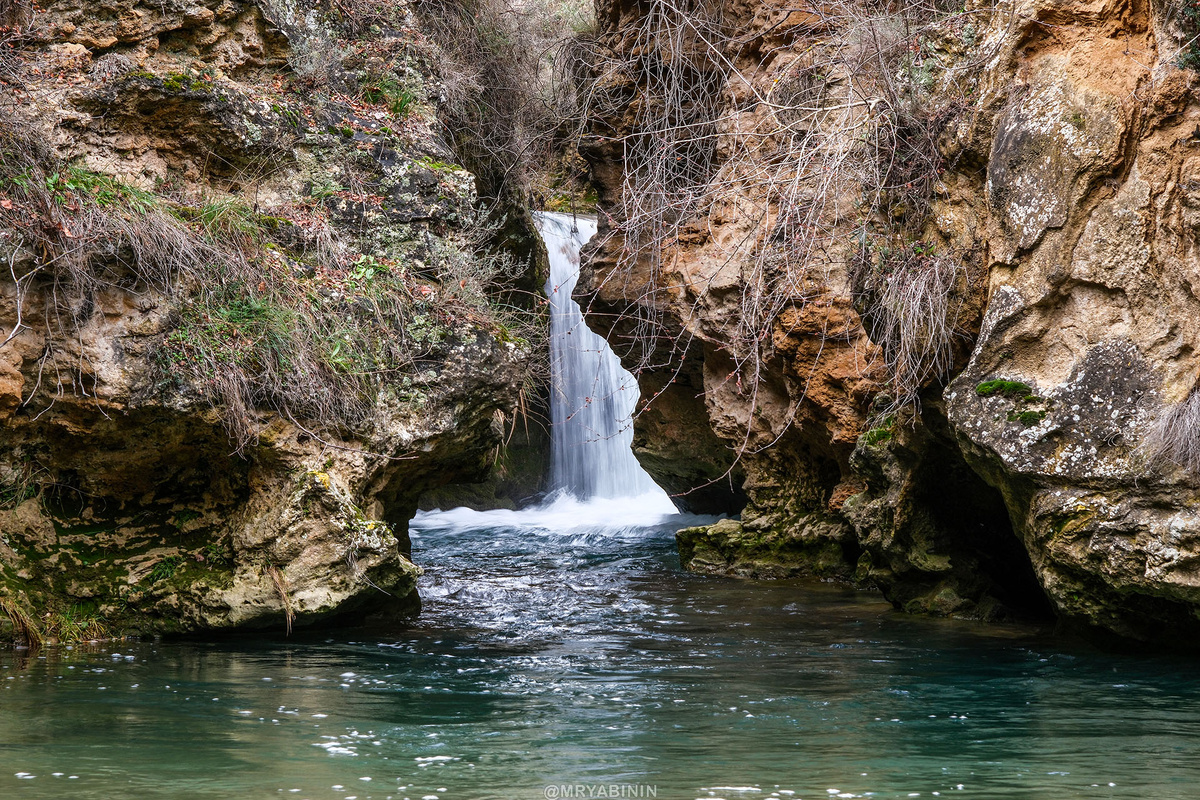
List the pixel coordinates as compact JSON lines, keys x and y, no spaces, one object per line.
{"x":975,"y":520}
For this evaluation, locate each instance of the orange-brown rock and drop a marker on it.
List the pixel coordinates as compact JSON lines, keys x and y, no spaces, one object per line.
{"x":1064,"y":197}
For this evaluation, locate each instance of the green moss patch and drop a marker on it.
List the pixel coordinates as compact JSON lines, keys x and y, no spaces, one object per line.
{"x":1003,"y":388}
{"x":1026,"y":417}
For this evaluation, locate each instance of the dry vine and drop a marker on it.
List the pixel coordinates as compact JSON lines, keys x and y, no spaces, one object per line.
{"x":825,"y":173}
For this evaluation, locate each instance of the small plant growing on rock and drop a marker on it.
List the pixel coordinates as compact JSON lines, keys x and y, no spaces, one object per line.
{"x":78,"y":622}
{"x":1187,"y":15}
{"x":1172,"y":435}
{"x":389,"y":92}
{"x":18,"y":483}
{"x":165,"y":569}
{"x":875,"y":436}
{"x":217,"y":555}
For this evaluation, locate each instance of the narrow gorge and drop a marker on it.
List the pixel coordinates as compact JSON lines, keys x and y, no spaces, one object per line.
{"x":605,"y":398}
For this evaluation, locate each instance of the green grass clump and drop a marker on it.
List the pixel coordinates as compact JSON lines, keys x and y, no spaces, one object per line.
{"x":1003,"y":388}
{"x":17,"y":490}
{"x":217,"y":555}
{"x":80,"y":622}
{"x":387,"y":91}
{"x":165,"y":569}
{"x":230,"y":221}
{"x":884,"y":430}
{"x":234,"y":328}
{"x":875,"y":436}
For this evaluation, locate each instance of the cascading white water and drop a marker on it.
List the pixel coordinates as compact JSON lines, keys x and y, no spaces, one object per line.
{"x":597,"y":486}
{"x":592,"y":396}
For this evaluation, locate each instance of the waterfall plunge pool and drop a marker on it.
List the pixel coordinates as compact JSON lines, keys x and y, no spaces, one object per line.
{"x":562,"y":652}
{"x":584,"y":655}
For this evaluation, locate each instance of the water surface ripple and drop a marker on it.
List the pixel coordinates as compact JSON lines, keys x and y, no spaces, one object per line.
{"x":557,"y":650}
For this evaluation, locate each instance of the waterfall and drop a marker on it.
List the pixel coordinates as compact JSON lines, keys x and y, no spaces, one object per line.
{"x":592,"y":396}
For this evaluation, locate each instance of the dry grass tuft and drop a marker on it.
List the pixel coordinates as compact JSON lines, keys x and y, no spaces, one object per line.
{"x":1174,"y":435}
{"x":25,"y":628}
{"x":911,"y":300}
{"x":281,"y":587}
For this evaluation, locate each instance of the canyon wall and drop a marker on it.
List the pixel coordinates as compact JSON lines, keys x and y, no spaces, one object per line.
{"x":952,"y":359}
{"x":244,"y":321}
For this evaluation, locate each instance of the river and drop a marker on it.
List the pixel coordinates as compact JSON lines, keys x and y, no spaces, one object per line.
{"x":586,"y":656}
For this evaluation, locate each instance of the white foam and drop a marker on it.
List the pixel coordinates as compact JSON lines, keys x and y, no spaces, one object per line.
{"x":733,"y":789}
{"x":562,"y":513}
{"x":335,"y":749}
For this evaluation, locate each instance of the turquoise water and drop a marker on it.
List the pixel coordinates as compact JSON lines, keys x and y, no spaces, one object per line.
{"x":587,"y":657}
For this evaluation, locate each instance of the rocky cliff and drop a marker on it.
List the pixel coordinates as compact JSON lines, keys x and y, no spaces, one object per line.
{"x":245,"y":320}
{"x":919,"y":284}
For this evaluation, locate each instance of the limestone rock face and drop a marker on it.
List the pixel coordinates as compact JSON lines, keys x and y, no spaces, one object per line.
{"x":1092,"y":254}
{"x":129,"y":501}
{"x":769,"y":413}
{"x":1018,"y":481}
{"x":227,"y":35}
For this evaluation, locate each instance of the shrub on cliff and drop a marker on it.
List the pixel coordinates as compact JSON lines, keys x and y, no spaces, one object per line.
{"x":503,"y":90}
{"x":263,"y":316}
{"x":834,"y":161}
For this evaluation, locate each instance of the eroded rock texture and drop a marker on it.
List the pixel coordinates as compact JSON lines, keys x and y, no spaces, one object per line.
{"x":1091,"y":248}
{"x":129,"y":500}
{"x":1064,"y":196}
